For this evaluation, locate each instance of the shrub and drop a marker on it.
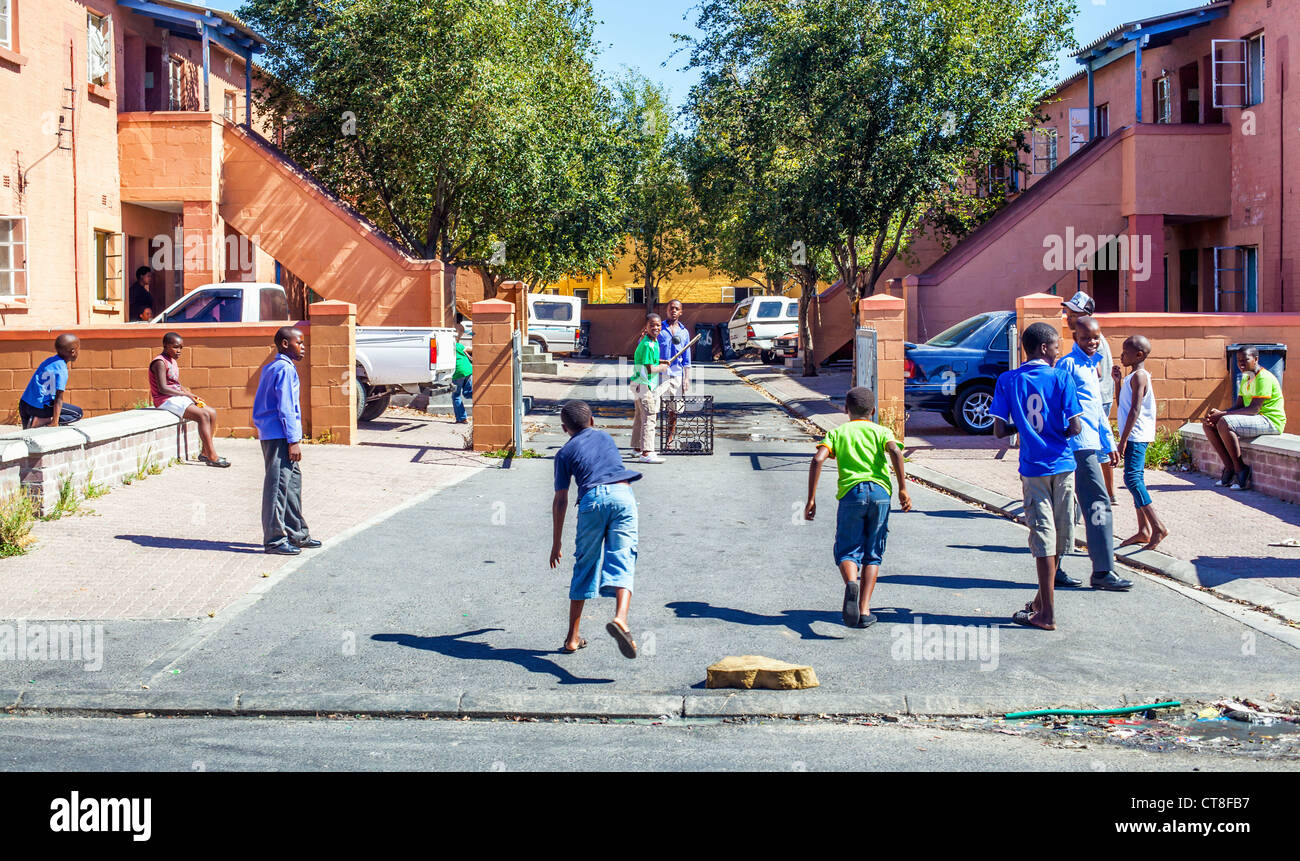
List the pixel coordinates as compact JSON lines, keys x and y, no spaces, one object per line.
{"x":17,"y":515}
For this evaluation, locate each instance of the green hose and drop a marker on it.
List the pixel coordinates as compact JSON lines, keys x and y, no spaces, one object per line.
{"x":1096,"y":712}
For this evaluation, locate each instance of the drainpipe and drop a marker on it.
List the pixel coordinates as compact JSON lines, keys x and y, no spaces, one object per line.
{"x":76,"y":218}
{"x":1137,"y":89}
{"x":207,"y":106}
{"x":248,"y":88}
{"x":1092,"y":106}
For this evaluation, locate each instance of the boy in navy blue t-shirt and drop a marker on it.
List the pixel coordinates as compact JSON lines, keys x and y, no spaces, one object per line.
{"x":607,"y":522}
{"x":1043,"y":405}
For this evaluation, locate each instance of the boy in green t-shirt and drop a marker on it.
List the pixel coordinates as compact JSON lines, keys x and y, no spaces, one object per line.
{"x":863,"y":451}
{"x":462,"y":383}
{"x":646,"y":367}
{"x":1259,"y":411}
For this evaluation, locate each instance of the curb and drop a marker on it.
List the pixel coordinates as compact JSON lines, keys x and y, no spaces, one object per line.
{"x":558,"y":705}
{"x":1259,"y":594}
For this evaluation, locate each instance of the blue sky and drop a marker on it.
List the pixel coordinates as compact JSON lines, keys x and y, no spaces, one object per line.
{"x":638,"y":34}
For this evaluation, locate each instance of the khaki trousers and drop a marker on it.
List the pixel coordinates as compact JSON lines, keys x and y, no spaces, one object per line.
{"x":646,"y":401}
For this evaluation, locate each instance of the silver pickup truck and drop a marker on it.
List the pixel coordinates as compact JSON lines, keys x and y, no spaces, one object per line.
{"x":389,"y":359}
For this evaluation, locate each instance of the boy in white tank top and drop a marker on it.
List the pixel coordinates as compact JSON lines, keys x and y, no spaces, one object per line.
{"x":1137,"y":430}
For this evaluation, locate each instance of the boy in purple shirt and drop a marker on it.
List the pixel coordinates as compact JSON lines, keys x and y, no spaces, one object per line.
{"x":1043,"y":405}
{"x":607,"y":521}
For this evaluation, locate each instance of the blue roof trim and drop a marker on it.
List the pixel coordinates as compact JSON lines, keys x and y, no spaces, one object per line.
{"x":193,"y":24}
{"x":1169,"y":29}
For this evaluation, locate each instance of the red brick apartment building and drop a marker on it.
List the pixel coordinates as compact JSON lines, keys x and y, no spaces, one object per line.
{"x":1178,"y":140}
{"x":125,"y":140}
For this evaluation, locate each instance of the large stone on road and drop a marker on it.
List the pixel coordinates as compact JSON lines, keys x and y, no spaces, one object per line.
{"x":755,"y":671}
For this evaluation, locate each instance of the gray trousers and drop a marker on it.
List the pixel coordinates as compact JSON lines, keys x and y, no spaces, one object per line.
{"x":281,"y":496}
{"x":1094,"y":505}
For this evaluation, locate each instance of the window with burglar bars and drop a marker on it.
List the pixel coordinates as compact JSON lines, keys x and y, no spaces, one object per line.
{"x":1045,"y":141}
{"x":99,"y":48}
{"x":13,"y":258}
{"x":1164,"y":106}
{"x":6,"y":24}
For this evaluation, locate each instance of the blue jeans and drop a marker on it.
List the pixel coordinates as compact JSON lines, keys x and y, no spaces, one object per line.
{"x":1135,"y":465}
{"x":606,"y":520}
{"x":460,"y":389}
{"x":862,"y":525}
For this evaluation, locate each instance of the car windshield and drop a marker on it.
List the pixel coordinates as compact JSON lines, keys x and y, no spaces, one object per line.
{"x":963,"y":330}
{"x":213,"y":306}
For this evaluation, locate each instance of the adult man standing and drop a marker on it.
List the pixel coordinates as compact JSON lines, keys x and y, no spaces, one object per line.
{"x":277,"y":415}
{"x":673,"y":338}
{"x":141,"y":304}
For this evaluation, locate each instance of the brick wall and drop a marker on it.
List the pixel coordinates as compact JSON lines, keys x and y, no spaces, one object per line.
{"x":1274,"y":461}
{"x":220,"y":363}
{"x":886,"y":314}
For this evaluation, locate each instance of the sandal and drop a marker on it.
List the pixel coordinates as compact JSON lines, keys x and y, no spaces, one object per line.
{"x":1026,"y":617}
{"x":219,"y":462}
{"x":623,"y":637}
{"x":582,"y":644}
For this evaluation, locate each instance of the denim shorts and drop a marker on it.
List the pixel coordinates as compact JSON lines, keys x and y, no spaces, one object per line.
{"x":604,"y":556}
{"x":862,"y":525}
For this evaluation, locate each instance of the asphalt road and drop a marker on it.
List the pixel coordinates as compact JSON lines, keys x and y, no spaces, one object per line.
{"x":229,"y":744}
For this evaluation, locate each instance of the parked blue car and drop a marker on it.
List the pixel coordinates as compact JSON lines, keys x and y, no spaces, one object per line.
{"x":954,"y":372}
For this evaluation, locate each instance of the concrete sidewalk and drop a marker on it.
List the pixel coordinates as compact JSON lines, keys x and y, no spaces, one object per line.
{"x":1219,"y":539}
{"x":448,"y":607}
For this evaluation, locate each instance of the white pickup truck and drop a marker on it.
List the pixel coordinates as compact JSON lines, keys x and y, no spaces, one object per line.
{"x":389,"y":359}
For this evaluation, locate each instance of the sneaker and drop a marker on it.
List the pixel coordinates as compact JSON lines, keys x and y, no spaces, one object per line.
{"x":1243,"y":478}
{"x":651,"y":458}
{"x":1227,"y":478}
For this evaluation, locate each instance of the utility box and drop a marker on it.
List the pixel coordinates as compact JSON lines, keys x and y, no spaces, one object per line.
{"x":1272,"y":358}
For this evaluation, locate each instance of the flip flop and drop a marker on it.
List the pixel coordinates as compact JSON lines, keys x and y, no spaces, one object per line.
{"x":623,"y":638}
{"x":1025,"y":617}
{"x":219,"y":462}
{"x":582,"y":644}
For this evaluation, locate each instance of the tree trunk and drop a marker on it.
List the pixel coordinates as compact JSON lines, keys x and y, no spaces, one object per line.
{"x":807,"y":296}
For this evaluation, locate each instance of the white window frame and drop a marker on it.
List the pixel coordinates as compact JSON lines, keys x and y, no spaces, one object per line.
{"x":1255,"y":79}
{"x":6,"y":24}
{"x":1218,"y":66}
{"x":230,"y":106}
{"x":582,"y":294}
{"x":15,"y":274}
{"x":729,"y":295}
{"x":104,"y":24}
{"x":175,"y":70}
{"x":1046,"y":150}
{"x":1163,"y":107}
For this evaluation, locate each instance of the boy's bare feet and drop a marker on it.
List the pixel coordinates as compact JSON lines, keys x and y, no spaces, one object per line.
{"x":571,"y":646}
{"x":1140,"y":538}
{"x":1032,"y":619}
{"x":1161,"y":535}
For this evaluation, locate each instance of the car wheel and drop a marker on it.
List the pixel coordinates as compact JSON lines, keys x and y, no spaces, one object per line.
{"x":361,"y":395}
{"x":972,"y":410}
{"x":375,"y":408}
{"x":949,"y":418}
{"x":768,"y":356}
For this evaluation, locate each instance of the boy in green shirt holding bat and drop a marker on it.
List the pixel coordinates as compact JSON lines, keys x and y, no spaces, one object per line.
{"x":646,"y":368}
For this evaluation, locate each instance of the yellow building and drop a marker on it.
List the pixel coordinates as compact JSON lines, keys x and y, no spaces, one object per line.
{"x":696,"y":285}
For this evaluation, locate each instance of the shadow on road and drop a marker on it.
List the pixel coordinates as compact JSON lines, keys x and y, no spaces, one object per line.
{"x":799,"y":621}
{"x":455,"y":646}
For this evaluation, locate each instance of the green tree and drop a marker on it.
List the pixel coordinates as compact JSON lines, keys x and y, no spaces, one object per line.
{"x":869,"y":111}
{"x":661,"y":220}
{"x":473,"y":132}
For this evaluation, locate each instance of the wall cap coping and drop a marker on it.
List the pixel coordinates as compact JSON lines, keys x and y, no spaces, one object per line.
{"x":12,"y":450}
{"x":48,"y":440}
{"x":117,"y":425}
{"x":1038,"y":302}
{"x":1204,"y":319}
{"x":150,"y":331}
{"x":1285,"y":443}
{"x":331,"y":308}
{"x":493,"y":306}
{"x":883,"y":302}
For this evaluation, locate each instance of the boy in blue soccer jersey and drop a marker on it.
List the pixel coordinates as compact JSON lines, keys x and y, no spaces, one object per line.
{"x":1042,"y":405}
